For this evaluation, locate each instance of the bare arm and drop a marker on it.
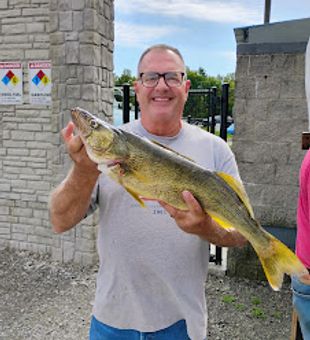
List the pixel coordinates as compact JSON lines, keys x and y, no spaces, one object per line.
{"x":69,"y":202}
{"x":196,"y":221}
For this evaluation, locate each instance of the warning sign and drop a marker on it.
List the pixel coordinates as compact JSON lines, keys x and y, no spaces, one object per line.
{"x":11,"y":83}
{"x":40,"y":85}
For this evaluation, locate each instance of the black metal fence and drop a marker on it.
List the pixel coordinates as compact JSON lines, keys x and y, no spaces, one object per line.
{"x":212,"y":110}
{"x":208,"y":107}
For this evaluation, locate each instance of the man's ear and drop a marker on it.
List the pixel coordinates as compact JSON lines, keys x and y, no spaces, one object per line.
{"x":136,"y":86}
{"x":187,"y":85}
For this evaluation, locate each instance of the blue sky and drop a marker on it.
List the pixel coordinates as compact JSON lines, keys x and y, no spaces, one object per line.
{"x":203,"y":30}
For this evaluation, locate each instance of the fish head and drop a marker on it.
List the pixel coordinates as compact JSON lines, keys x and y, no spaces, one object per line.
{"x":100,"y":138}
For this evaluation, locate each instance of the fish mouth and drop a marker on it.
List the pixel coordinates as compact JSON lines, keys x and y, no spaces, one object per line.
{"x":76,"y":115}
{"x":80,"y":119}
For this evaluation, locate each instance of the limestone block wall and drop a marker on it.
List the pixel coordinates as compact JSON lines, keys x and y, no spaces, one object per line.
{"x":270,"y":115}
{"x":77,"y":37}
{"x":26,"y":140}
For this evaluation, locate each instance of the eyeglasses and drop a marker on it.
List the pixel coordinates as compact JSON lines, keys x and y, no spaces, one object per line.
{"x":172,"y":79}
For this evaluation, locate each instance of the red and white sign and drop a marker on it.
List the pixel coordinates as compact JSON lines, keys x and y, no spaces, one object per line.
{"x":11,"y":83}
{"x":40,"y":85}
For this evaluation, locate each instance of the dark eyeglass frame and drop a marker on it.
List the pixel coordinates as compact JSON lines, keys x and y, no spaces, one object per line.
{"x":162,"y":75}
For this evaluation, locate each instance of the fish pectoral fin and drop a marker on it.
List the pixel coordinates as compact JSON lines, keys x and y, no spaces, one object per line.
{"x":135,"y":196}
{"x":238,"y":187}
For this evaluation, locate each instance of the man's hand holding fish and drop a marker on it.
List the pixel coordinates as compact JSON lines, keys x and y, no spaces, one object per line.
{"x":196,"y":221}
{"x":83,"y":175}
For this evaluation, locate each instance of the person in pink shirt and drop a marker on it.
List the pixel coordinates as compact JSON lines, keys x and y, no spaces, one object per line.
{"x":301,"y":289}
{"x":303,"y":213}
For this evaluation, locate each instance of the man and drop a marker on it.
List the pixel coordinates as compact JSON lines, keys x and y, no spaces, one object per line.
{"x":153,"y":262}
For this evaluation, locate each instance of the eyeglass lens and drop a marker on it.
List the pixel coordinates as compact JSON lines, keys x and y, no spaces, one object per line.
{"x":172,"y":79}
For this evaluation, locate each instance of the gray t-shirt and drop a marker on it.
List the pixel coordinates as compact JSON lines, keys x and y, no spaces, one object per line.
{"x":152,"y":274}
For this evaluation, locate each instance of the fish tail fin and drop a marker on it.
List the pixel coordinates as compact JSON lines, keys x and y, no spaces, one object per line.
{"x":277,"y":260}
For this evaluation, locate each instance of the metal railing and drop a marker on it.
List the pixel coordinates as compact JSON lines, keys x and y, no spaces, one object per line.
{"x":215,"y":106}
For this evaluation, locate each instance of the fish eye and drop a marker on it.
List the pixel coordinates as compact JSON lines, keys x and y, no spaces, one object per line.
{"x":93,"y":124}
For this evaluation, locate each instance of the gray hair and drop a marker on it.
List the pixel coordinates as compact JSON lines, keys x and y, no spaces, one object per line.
{"x":162,"y":47}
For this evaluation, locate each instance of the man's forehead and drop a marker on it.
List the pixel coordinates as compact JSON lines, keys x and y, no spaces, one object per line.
{"x":161,"y":57}
{"x":156,"y":53}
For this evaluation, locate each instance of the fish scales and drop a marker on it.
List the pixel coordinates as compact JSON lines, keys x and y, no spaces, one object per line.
{"x":182,"y":175}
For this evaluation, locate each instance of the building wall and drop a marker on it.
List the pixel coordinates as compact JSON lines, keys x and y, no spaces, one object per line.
{"x":270,"y":115}
{"x":77,"y":36}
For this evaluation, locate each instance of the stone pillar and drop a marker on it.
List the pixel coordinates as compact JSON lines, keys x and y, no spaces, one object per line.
{"x":270,"y":115}
{"x":81,"y":49}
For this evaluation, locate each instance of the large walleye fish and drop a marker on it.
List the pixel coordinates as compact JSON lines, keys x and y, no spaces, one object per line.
{"x":147,"y":169}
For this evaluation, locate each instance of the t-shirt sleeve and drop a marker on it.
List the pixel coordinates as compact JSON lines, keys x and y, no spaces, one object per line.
{"x":94,"y":201}
{"x":225,"y":160}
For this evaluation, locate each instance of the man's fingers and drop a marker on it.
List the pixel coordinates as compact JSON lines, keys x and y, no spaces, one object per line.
{"x":191,"y":202}
{"x":74,"y":143}
{"x":67,"y":132}
{"x":170,"y":210}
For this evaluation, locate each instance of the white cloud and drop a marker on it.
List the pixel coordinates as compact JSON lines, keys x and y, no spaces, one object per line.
{"x":223,"y":11}
{"x":134,"y":35}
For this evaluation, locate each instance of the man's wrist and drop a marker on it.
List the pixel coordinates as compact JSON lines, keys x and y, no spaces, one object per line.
{"x":79,"y":175}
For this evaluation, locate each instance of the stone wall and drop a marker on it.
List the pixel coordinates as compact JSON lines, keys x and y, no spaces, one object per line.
{"x":270,"y":115}
{"x":77,"y":36}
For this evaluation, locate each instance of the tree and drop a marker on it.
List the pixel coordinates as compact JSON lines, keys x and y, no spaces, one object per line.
{"x":124,"y":78}
{"x":200,"y":80}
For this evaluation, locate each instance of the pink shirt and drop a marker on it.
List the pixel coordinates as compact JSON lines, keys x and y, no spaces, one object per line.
{"x":303,"y":213}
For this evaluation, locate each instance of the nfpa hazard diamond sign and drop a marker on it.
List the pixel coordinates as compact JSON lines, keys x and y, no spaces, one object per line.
{"x":40,"y":82}
{"x":11,"y":83}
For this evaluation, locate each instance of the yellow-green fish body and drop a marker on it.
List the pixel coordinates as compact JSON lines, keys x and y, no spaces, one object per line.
{"x":149,"y":170}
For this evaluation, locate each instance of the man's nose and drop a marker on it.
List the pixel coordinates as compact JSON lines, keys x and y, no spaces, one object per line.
{"x":161,"y":82}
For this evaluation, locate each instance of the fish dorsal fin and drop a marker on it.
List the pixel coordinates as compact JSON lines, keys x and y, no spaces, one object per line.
{"x":169,"y":149}
{"x":238,"y":187}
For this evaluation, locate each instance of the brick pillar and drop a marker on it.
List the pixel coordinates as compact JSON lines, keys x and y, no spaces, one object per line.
{"x":81,"y":49}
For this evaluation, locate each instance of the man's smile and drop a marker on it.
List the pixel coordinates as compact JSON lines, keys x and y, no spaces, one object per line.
{"x":161,"y":99}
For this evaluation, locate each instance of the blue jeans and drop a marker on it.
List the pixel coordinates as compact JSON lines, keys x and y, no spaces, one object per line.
{"x":100,"y":331}
{"x":301,"y":302}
